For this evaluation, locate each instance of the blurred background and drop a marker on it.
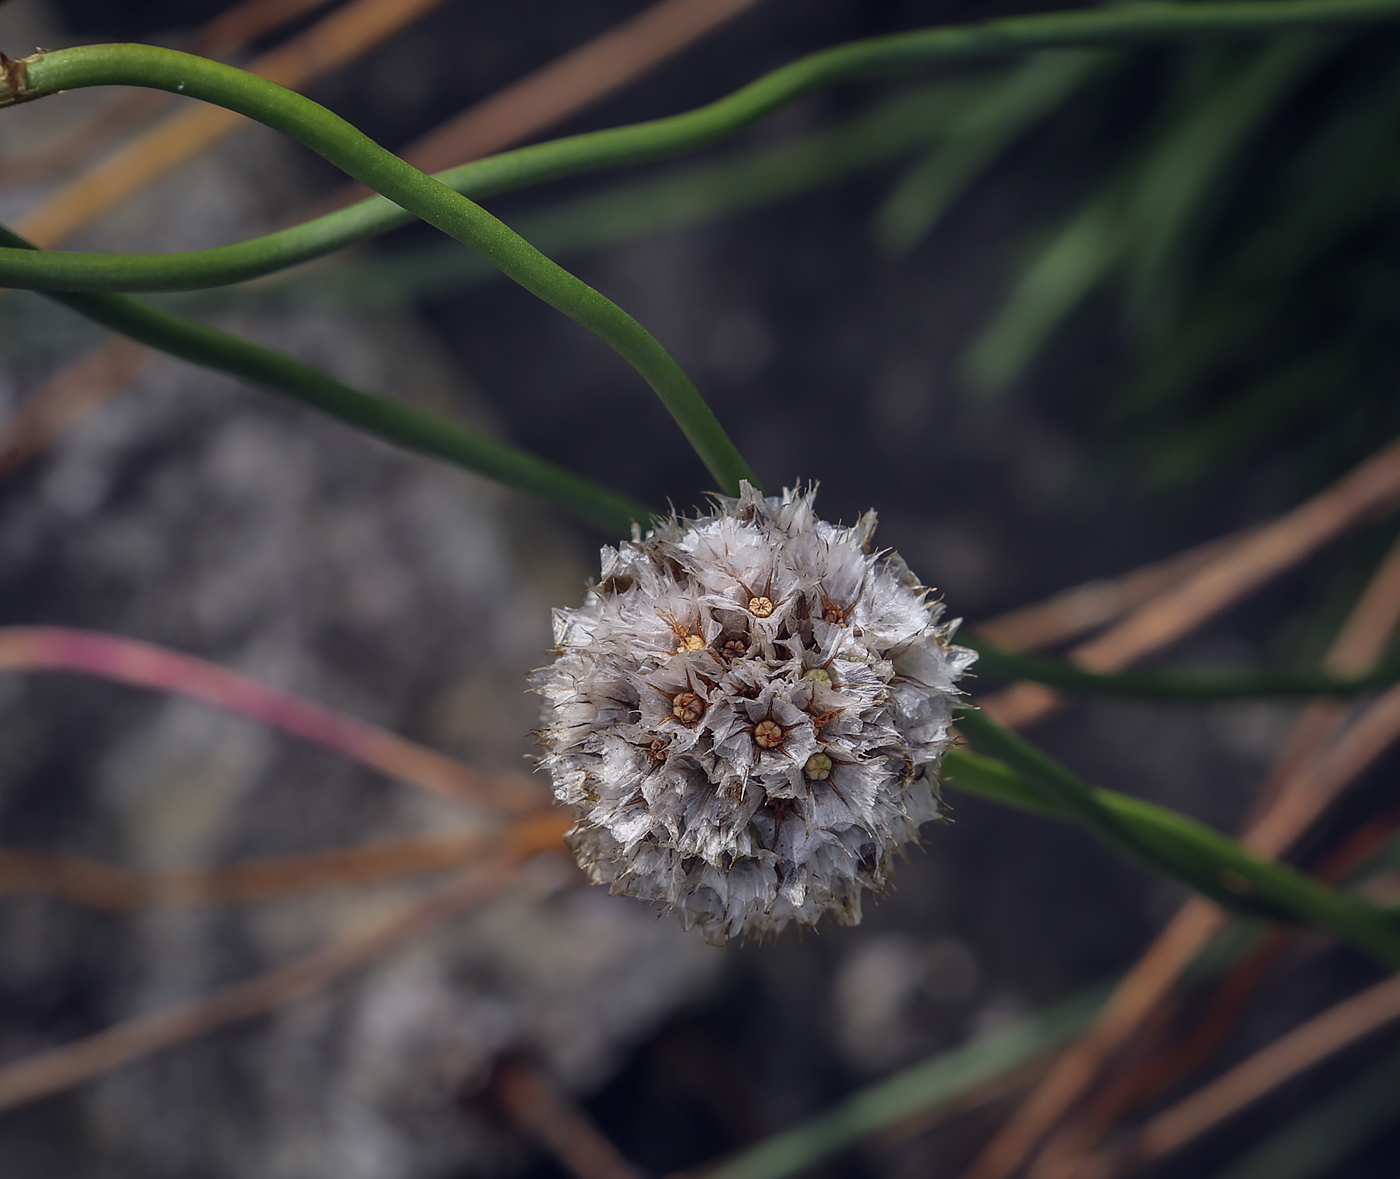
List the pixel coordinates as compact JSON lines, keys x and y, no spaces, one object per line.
{"x":1053,"y":318}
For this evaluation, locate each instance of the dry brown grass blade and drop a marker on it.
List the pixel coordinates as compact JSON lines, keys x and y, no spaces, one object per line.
{"x":1370,"y":488}
{"x":1321,"y":1037}
{"x":1365,"y":634}
{"x":334,"y":41}
{"x":224,"y":35}
{"x":1152,"y":978}
{"x":1165,"y":1063}
{"x":537,"y":1105}
{"x":1164,"y":1057}
{"x":1082,"y":608}
{"x":1307,"y":788}
{"x":565,"y":86}
{"x":244,"y":23}
{"x":1312,"y":787}
{"x":96,"y":885}
{"x":1077,"y":1067}
{"x":65,"y":397}
{"x":51,"y":1072}
{"x":1372,"y":621}
{"x":121,"y":113}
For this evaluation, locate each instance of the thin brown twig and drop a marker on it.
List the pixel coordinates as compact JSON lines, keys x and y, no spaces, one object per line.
{"x":61,"y":1068}
{"x":1370,"y":488}
{"x":1163,"y":1057}
{"x":1363,"y":636}
{"x":96,"y":885}
{"x":536,"y":1104}
{"x":1307,"y":790}
{"x":1148,"y":984}
{"x":68,"y":395}
{"x":223,"y":36}
{"x":1321,"y":1037}
{"x":1369,"y":627}
{"x":1167,"y":1055}
{"x":334,"y":41}
{"x":51,"y":1072}
{"x":1082,"y":608}
{"x":1168,"y":1065}
{"x":1074,"y":1071}
{"x":244,"y":23}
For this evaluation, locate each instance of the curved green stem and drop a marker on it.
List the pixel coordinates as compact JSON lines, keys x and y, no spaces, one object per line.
{"x":359,"y":156}
{"x":218,"y":350}
{"x":1186,"y":686}
{"x":1199,"y":856}
{"x":1120,"y":25}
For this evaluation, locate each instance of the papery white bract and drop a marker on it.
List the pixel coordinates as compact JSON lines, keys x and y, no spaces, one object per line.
{"x":746,"y":715}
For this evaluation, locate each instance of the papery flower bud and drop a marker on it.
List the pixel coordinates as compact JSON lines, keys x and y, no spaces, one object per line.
{"x":746,"y":715}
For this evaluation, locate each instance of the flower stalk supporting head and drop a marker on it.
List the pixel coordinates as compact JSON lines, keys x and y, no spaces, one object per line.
{"x":746,"y":715}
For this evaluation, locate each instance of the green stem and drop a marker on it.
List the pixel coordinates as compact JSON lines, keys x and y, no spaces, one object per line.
{"x":1163,"y":840}
{"x":211,"y":348}
{"x":688,"y":195}
{"x":359,"y":156}
{"x":1142,"y":685}
{"x":1122,"y":25}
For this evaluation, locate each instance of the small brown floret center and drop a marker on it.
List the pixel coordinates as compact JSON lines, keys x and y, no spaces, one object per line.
{"x":767,"y":734}
{"x":658,"y":750}
{"x":733,"y":648}
{"x":833,"y":614}
{"x":687,"y":707}
{"x":761,"y":607}
{"x":690,"y":643}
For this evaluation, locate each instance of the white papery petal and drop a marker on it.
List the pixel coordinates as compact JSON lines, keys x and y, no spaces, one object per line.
{"x":695,"y":811}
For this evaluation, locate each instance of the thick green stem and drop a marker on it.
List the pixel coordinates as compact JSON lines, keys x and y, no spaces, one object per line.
{"x":1119,"y":25}
{"x":1163,"y":840}
{"x":214,"y":349}
{"x":420,"y":194}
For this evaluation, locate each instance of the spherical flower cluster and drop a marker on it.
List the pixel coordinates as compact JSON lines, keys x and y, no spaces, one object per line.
{"x":746,"y":714}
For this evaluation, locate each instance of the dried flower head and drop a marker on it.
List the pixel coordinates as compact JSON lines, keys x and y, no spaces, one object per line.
{"x":745,"y":715}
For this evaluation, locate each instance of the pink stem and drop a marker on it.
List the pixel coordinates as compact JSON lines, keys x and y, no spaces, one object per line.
{"x":53,"y":648}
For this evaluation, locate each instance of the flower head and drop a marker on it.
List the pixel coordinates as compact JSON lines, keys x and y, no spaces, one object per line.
{"x":746,"y":714}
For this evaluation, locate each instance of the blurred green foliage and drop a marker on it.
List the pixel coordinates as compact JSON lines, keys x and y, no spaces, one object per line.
{"x":1243,"y":232}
